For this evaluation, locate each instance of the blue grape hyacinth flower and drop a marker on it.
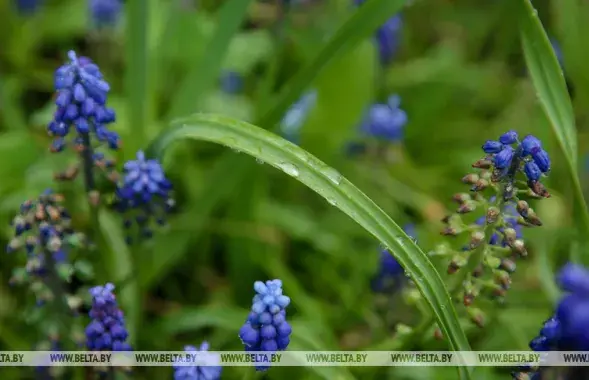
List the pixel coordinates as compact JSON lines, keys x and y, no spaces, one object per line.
{"x":509,"y":156}
{"x":231,"y":82}
{"x":144,"y":194}
{"x":387,"y":37}
{"x":266,"y":328}
{"x":106,"y":331}
{"x":27,"y":7}
{"x":385,"y":121}
{"x":390,"y":274}
{"x":568,"y":328}
{"x":105,"y":12}
{"x":295,"y":117}
{"x":193,"y":372}
{"x":81,"y":106}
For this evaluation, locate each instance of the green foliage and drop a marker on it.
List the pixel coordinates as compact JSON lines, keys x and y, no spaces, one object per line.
{"x":461,"y":73}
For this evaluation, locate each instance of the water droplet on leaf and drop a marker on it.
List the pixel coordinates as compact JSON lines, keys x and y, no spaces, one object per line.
{"x":333,"y":175}
{"x":289,"y":169}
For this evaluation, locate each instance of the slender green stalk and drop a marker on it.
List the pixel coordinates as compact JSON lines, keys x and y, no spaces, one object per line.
{"x":136,"y":75}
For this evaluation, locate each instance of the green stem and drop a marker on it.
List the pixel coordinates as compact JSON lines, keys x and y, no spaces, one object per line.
{"x":136,"y":75}
{"x":477,"y":256}
{"x":59,"y":304}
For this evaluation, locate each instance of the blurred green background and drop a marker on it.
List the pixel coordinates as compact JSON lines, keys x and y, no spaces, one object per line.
{"x":462,"y":79}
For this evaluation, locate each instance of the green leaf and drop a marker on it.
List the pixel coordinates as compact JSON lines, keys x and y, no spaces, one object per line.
{"x":551,"y":88}
{"x":203,"y":76}
{"x":360,"y":25}
{"x":337,"y":190}
{"x":136,"y":75}
{"x":117,"y":260}
{"x":548,"y":78}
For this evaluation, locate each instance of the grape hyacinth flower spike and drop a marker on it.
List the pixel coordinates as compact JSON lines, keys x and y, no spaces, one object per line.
{"x":105,"y":13}
{"x":568,"y":328}
{"x":106,"y":331}
{"x":27,"y":7}
{"x":266,"y":328}
{"x":385,"y":121}
{"x":295,"y":117}
{"x":43,"y":230}
{"x":387,"y":37}
{"x":81,"y":106}
{"x":81,"y":121}
{"x":495,"y":239}
{"x":143,"y":195}
{"x":186,"y":371}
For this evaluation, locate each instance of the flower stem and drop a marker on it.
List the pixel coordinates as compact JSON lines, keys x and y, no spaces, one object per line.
{"x":88,"y":164}
{"x":60,"y":304}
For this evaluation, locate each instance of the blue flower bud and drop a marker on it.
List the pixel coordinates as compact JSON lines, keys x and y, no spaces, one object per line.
{"x":529,"y":144}
{"x":503,"y":158}
{"x":532,"y":171}
{"x":508,"y":138}
{"x":541,"y":159}
{"x":492,"y":146}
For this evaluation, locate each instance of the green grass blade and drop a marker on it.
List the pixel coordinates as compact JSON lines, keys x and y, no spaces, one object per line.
{"x":206,"y":73}
{"x":551,"y":88}
{"x":337,"y":190}
{"x":548,"y":78}
{"x":136,"y":75}
{"x":361,"y":24}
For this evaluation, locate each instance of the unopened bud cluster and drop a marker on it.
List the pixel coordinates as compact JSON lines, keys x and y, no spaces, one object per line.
{"x":489,"y":219}
{"x":42,"y":228}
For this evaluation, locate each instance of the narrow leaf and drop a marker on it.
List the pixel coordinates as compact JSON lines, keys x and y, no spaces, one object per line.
{"x":551,"y":88}
{"x":337,"y":190}
{"x":204,"y":75}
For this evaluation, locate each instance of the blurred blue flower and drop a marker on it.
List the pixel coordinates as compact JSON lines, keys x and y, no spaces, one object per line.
{"x":390,"y":273}
{"x":387,"y":37}
{"x":106,"y":331}
{"x":385,"y":121}
{"x":81,"y":98}
{"x":266,"y":328}
{"x":296,"y":116}
{"x":527,"y":156}
{"x":231,"y":82}
{"x":568,"y":328}
{"x":144,"y":193}
{"x":557,"y":50}
{"x":27,"y":7}
{"x":105,"y":12}
{"x":192,"y":372}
